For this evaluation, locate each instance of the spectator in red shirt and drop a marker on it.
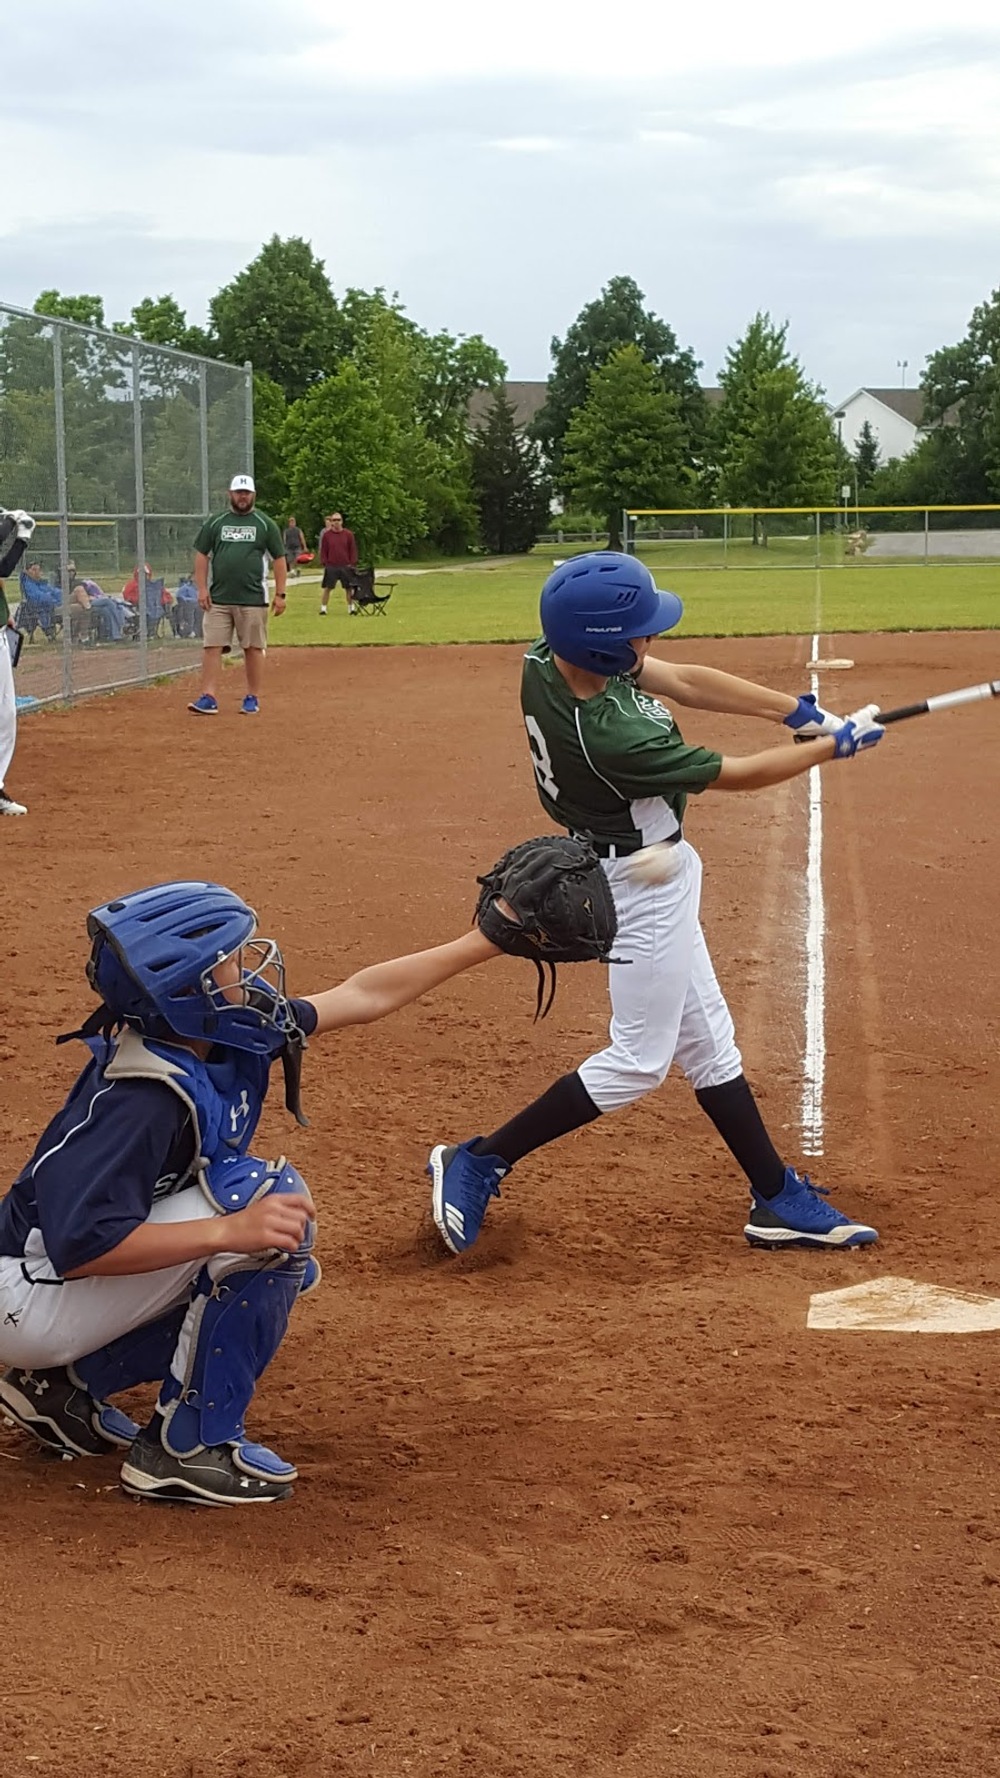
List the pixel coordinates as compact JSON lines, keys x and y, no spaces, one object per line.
{"x":338,"y":554}
{"x":130,"y":591}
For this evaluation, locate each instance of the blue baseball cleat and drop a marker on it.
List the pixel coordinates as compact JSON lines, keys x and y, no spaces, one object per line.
{"x":250,"y":706}
{"x":800,"y":1217}
{"x":204,"y":706}
{"x":463,"y":1185}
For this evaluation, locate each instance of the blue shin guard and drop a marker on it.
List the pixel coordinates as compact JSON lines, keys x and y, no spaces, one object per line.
{"x":234,"y":1324}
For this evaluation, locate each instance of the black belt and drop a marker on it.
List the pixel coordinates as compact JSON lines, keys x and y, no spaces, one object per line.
{"x":624,"y":848}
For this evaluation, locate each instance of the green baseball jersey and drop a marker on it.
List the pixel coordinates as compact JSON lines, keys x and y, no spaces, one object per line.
{"x":236,"y":542}
{"x":605,"y":766}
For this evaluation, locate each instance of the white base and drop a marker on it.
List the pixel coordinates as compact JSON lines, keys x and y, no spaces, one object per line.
{"x":901,"y":1305}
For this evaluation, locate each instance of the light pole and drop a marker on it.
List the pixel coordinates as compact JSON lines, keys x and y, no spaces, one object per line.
{"x":902,"y":365}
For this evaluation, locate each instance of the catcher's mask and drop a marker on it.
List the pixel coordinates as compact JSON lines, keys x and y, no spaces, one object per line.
{"x":594,"y":605}
{"x":182,"y":958}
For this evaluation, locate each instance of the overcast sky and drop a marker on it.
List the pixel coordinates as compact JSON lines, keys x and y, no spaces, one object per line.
{"x":497,"y":161}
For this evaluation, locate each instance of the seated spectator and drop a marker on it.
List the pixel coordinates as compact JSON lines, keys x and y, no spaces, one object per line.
{"x":80,"y":622}
{"x":187,"y":616}
{"x":108,"y":614}
{"x":43,"y":599}
{"x":130,"y":590}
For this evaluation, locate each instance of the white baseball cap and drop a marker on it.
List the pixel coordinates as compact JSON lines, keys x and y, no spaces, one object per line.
{"x":242,"y":484}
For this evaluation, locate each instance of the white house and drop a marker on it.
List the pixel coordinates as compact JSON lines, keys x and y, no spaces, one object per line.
{"x":894,"y":415}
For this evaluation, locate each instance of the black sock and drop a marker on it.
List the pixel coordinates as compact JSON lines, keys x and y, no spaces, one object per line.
{"x":733,"y":1110}
{"x":566,"y":1106}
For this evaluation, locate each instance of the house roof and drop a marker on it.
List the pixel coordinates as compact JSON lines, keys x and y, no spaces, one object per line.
{"x":907,"y":403}
{"x":525,"y":398}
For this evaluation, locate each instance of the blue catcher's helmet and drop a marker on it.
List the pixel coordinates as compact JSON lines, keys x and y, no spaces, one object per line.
{"x":593,"y":605}
{"x":152,"y":961}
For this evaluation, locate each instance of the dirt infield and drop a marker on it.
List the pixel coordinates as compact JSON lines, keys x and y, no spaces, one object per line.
{"x":591,"y":1501}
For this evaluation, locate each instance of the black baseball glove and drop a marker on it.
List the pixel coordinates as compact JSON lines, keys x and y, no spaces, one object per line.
{"x":559,"y":907}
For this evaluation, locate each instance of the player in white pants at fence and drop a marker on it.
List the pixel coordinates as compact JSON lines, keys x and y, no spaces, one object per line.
{"x":15,"y":533}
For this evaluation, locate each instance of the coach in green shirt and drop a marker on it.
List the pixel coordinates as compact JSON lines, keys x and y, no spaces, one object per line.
{"x":235,"y":545}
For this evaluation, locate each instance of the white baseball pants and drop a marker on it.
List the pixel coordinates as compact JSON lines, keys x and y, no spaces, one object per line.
{"x":8,"y":706}
{"x":666,"y":1004}
{"x":45,"y":1322}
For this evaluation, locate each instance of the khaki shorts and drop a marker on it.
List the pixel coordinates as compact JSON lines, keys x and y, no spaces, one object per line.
{"x":248,"y":621}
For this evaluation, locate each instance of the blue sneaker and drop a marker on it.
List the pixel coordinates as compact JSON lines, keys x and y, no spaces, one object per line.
{"x":800,"y":1217}
{"x":250,"y":706}
{"x":204,"y":706}
{"x":463,"y":1185}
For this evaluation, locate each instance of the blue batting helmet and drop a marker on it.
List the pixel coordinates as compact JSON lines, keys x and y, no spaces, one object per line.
{"x":153,"y":958}
{"x":593,"y":605}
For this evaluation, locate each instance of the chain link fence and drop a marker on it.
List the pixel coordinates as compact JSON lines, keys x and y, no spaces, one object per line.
{"x":119,"y":449}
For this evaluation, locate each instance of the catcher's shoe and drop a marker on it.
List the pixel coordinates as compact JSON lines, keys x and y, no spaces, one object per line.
{"x":800,"y":1217}
{"x":58,"y":1411}
{"x":462,"y":1186}
{"x":236,"y":1474}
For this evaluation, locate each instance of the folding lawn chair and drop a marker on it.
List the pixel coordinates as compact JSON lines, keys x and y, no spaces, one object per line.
{"x":368,"y":601}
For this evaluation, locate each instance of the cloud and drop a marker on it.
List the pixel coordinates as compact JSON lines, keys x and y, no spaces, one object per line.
{"x":497,"y":165}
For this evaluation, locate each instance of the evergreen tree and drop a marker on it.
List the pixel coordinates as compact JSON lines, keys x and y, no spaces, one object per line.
{"x":866,"y":458}
{"x":510,"y":488}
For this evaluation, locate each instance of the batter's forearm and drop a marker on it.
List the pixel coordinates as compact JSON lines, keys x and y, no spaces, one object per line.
{"x":759,"y":771}
{"x":385,"y":987}
{"x":708,"y":688}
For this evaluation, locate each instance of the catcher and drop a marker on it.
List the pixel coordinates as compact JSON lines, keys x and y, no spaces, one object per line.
{"x":143,"y":1242}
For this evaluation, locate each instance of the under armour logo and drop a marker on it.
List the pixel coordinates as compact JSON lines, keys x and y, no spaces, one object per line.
{"x":239,"y":1112}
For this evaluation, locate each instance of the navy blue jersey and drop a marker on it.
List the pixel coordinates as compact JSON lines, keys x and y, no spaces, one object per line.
{"x":108,"y":1154}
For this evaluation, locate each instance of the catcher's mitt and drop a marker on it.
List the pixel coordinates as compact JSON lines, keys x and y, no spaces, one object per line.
{"x":561,"y":908}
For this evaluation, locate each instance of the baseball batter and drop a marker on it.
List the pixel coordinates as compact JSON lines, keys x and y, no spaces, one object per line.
{"x":612,"y":767}
{"x":143,"y":1242}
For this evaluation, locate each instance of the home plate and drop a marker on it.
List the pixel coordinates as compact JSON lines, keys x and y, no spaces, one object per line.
{"x":901,"y":1305}
{"x":834,"y":665}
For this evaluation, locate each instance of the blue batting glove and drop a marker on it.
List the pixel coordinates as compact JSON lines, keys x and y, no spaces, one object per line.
{"x":858,"y":732}
{"x":808,"y":718}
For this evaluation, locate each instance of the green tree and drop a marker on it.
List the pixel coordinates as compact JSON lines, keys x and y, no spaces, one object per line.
{"x":866,"y":459}
{"x":625,"y":445}
{"x":618,"y":317}
{"x":774,"y":440}
{"x":341,"y":447}
{"x":87,"y":311}
{"x":161,"y":321}
{"x":270,"y":412}
{"x":512,"y":492}
{"x":281,"y":314}
{"x":961,"y":387}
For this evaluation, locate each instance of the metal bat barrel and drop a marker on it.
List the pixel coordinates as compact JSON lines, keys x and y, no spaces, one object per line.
{"x":948,"y":700}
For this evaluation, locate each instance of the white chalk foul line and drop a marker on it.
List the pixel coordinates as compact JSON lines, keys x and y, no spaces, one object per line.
{"x":814,"y":1062}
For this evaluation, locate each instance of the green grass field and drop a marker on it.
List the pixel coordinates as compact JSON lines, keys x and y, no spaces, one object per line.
{"x":498,"y":601}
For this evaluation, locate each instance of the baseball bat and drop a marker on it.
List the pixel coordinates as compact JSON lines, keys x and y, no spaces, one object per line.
{"x":947,"y":700}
